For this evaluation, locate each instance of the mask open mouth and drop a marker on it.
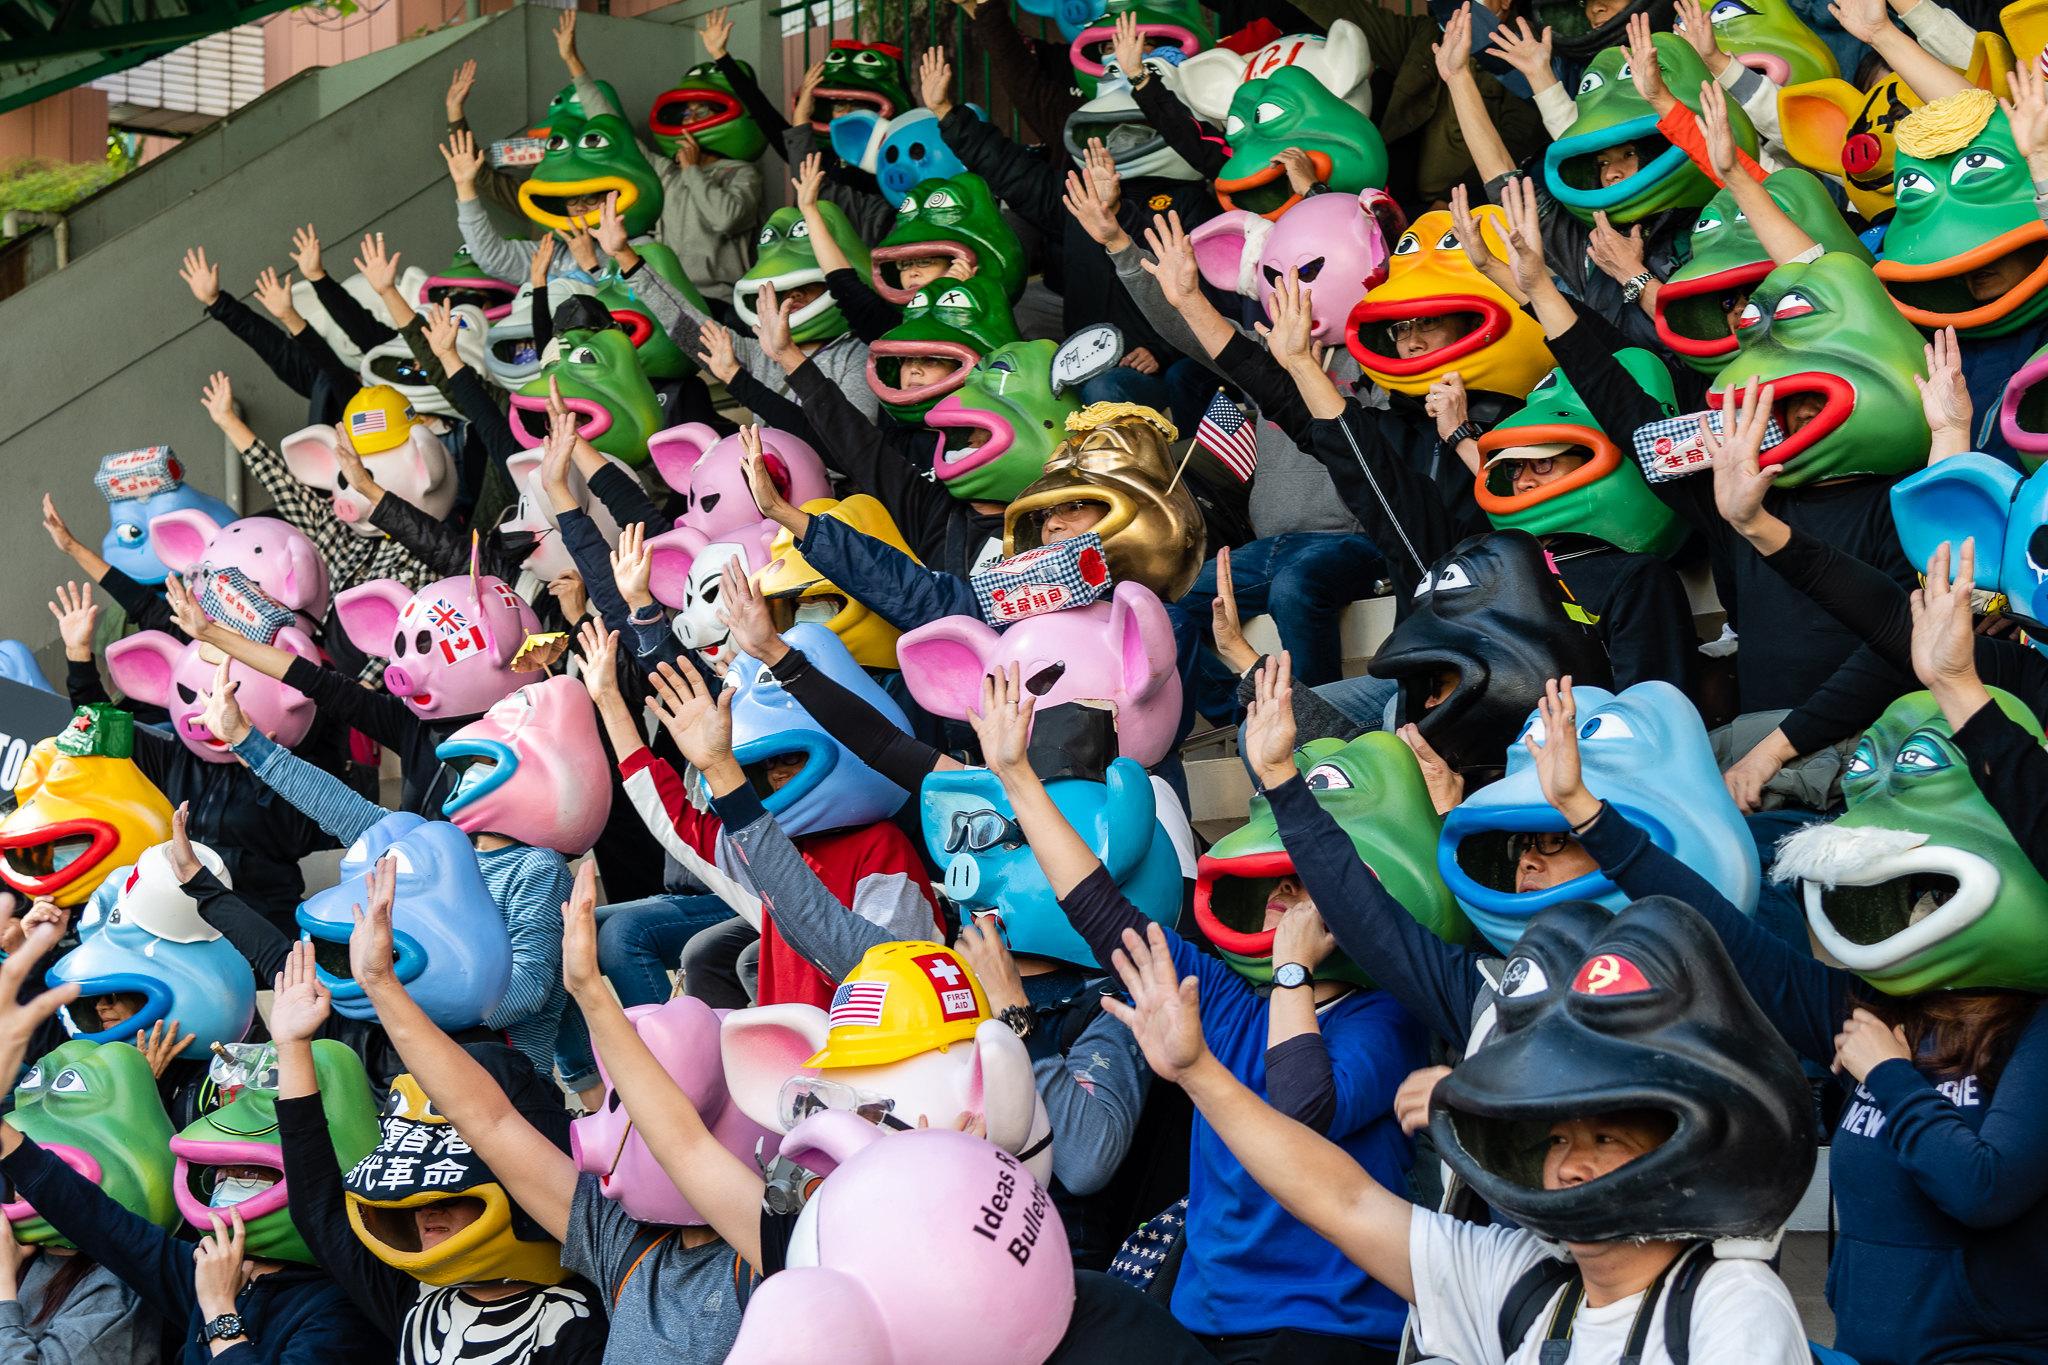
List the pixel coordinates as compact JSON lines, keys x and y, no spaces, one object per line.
{"x":1571,"y":166}
{"x":989,"y":436}
{"x":1266,"y":191}
{"x":747,"y":293}
{"x":1838,"y":400}
{"x":203,"y":1190}
{"x":1691,"y":319}
{"x":1775,"y":69}
{"x":825,"y":96}
{"x":42,"y":862}
{"x":81,"y":1017}
{"x":18,"y":1210}
{"x":885,"y":367}
{"x":1370,"y":334}
{"x":670,"y":116}
{"x":481,"y":766}
{"x":638,"y":326}
{"x":1495,"y":491}
{"x":399,"y":371}
{"x":817,"y":756}
{"x":493,"y":297}
{"x":512,"y":353}
{"x":1883,"y":904}
{"x":1514,"y":1147}
{"x":330,"y":957}
{"x":888,"y":259}
{"x":1123,"y":131}
{"x":809,"y":608}
{"x":1231,"y":896}
{"x":530,"y":419}
{"x":1937,"y":294}
{"x":547,"y":202}
{"x":1479,"y":852}
{"x":2023,"y":410}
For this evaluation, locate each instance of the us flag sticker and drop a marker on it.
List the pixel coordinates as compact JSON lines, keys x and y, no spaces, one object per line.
{"x":858,"y":1004}
{"x":950,"y":984}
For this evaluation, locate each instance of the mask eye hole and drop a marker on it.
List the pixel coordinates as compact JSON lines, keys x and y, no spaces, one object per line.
{"x":1045,"y":679}
{"x":186,"y":694}
{"x":422,"y":641}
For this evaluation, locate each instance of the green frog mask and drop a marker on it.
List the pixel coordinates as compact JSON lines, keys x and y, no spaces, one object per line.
{"x":660,"y":357}
{"x":705,"y":107}
{"x":601,"y":381}
{"x":1292,"y":108}
{"x":585,"y":161}
{"x":94,"y":1106}
{"x":1768,"y":36}
{"x":784,"y":258}
{"x":1008,"y":402}
{"x":948,"y":320}
{"x":949,"y":220}
{"x":869,"y":75}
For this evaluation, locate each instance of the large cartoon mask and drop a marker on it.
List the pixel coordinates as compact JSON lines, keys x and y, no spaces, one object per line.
{"x":1822,"y":328}
{"x":420,"y":1160}
{"x":1975,"y":495}
{"x":705,"y":108}
{"x":81,"y":809}
{"x":392,"y":362}
{"x":899,"y":152}
{"x":466,"y":284}
{"x":270,"y":552}
{"x":909,"y":1036}
{"x":970,"y":830}
{"x":405,"y":458}
{"x":683,"y":1035}
{"x":1611,"y":114}
{"x":2023,"y":410}
{"x":532,"y":530}
{"x":709,"y":472}
{"x":96,"y":1109}
{"x":532,"y":769}
{"x":244,"y":1133}
{"x":1430,"y":276}
{"x":1645,"y":751}
{"x":1770,"y":37}
{"x":140,"y":486}
{"x":660,"y":357}
{"x":1139,"y":150}
{"x":411,"y":283}
{"x":784,"y":258}
{"x":947,"y":320}
{"x":1374,"y":789}
{"x":1071,"y":16}
{"x":1920,"y":886}
{"x":869,"y":75}
{"x":979,"y":1269}
{"x":1118,"y":454}
{"x":1336,"y":245}
{"x":1653,"y":1017}
{"x":1965,"y":204}
{"x":953,"y":219}
{"x":585,"y":161}
{"x":1492,"y":623}
{"x":511,"y":355}
{"x":1291,"y":108}
{"x":1342,"y":62}
{"x":601,"y":381}
{"x":833,"y":789}
{"x":807,"y":595}
{"x":450,"y":644}
{"x":18,"y":664}
{"x":448,"y":938}
{"x":1180,"y":26}
{"x":1728,"y":262}
{"x":158,"y":668}
{"x":1016,"y":419}
{"x":1604,"y":497}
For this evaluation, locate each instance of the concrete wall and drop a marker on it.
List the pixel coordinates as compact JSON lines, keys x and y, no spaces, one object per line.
{"x":110,"y":354}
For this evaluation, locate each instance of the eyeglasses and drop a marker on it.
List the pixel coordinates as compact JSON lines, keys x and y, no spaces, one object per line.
{"x":1408,"y":327}
{"x":1547,"y":844}
{"x":981,"y":830}
{"x":1539,"y":467}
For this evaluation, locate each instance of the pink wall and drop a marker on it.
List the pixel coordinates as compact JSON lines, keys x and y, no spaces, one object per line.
{"x":68,"y":126}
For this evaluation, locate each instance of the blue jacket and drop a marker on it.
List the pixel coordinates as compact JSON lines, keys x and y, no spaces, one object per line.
{"x":890,"y":583}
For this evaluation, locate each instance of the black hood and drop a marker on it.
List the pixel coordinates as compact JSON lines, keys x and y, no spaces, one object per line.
{"x":1649,"y":1015}
{"x":1579,"y":49}
{"x":1494,"y":612}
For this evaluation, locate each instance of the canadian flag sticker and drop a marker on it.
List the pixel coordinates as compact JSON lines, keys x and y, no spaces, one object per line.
{"x":950,"y":984}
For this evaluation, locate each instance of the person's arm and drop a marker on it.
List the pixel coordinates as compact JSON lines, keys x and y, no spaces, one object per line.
{"x":748,"y":92}
{"x":810,"y":919}
{"x":494,"y":255}
{"x":1490,"y":154}
{"x":1586,"y":351}
{"x":532,"y":907}
{"x":688,"y":835}
{"x":1167,"y":116}
{"x":156,"y":1265}
{"x":248,"y":930}
{"x":472,"y":398}
{"x":1647,"y":625}
{"x":441,"y":547}
{"x":363,"y":328}
{"x":676,"y":314}
{"x":770,"y":408}
{"x":2011,"y":769}
{"x":330,"y":802}
{"x":1029,"y":186}
{"x":98,"y":1323}
{"x":1045,"y":101}
{"x":299,"y":361}
{"x":379,"y":715}
{"x":1926,"y":74}
{"x":624,"y":496}
{"x":320,"y":1212}
{"x":1093,"y":1095}
{"x":308,"y":511}
{"x":897,"y":588}
{"x":872,"y":458}
{"x":869,"y":316}
{"x":1682,"y":129}
{"x":1940,"y":30}
{"x":903,"y":759}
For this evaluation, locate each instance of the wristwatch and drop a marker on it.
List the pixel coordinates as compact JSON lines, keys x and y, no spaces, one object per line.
{"x":1632,"y":289}
{"x":1469,"y":431}
{"x":226,"y":1327}
{"x":1289,"y":975}
{"x":1018,"y":1018}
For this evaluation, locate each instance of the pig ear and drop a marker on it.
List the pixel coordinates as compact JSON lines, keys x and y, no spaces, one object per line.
{"x":1207,"y":80}
{"x":142,"y":666}
{"x":1814,"y":119}
{"x":944,"y":662}
{"x":420,"y":450}
{"x":676,"y":451}
{"x":764,"y":1047}
{"x":1002,"y":1078}
{"x":829,"y":1139}
{"x":369,"y":614}
{"x":1381,"y":209}
{"x":1347,"y":52}
{"x":1129,"y":813}
{"x":518,"y":466}
{"x":296,"y":642}
{"x":309,"y":455}
{"x":858,"y":138}
{"x":811,"y":1313}
{"x":180,"y":538}
{"x":306,"y":584}
{"x":1227,"y":250}
{"x":1144,"y":635}
{"x":669,"y":557}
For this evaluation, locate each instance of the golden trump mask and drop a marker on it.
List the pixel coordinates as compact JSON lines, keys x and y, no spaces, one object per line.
{"x":81,"y":809}
{"x":1118,"y":455}
{"x":797,"y":592}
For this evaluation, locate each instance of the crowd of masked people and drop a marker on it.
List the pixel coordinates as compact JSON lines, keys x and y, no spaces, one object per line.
{"x":743,"y":655}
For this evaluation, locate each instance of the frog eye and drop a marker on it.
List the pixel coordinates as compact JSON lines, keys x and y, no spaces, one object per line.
{"x":908,"y":206}
{"x":1792,"y":305}
{"x":70,"y":1081}
{"x":1593,"y":81}
{"x":1427,"y":582}
{"x":1267,"y":112}
{"x":1750,"y":316}
{"x":583,"y":355}
{"x":1000,"y":364}
{"x":955,"y":298}
{"x":767,"y":237}
{"x":799,"y":228}
{"x":919,"y":301}
{"x":34,"y":1079}
{"x":1534,"y":728}
{"x":1741,"y":217}
{"x":1627,"y":72}
{"x":868,"y":58}
{"x":1606,"y":727}
{"x":1727,"y":12}
{"x":1452,"y":577}
{"x":942,"y":199}
{"x":1233,"y":126}
{"x":1972,"y":167}
{"x":558,"y":142}
{"x":1328,"y":777}
{"x":1408,"y":245}
{"x":1921,"y":753}
{"x":1862,"y":763}
{"x":1708,"y":223}
{"x":1448,"y":242}
{"x":1914,"y":185}
{"x":1548,"y":381}
{"x":593,"y":141}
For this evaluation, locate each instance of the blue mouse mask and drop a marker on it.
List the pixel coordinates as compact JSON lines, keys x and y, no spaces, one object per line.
{"x":140,"y":486}
{"x":17,"y":664}
{"x":142,"y":935}
{"x":1646,"y":752}
{"x":898,"y":152}
{"x":1976,"y":495}
{"x":971,"y":832}
{"x":453,"y":953}
{"x":833,"y":789}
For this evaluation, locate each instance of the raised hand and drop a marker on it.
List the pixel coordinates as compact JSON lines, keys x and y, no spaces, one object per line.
{"x":1129,"y":46}
{"x":299,"y":1004}
{"x":565,"y":42}
{"x":459,"y":86}
{"x":185,"y":864}
{"x":78,"y":615}
{"x":700,"y":724}
{"x":1525,"y":235}
{"x":1557,"y":756}
{"x":1696,"y":28}
{"x":441,"y":330}
{"x":369,"y":944}
{"x":1945,"y":396}
{"x":745,"y":614}
{"x":161,"y":1044}
{"x":1944,"y":638}
{"x":464,"y":162}
{"x":379,"y":268}
{"x":1642,"y":65}
{"x":1740,"y":480}
{"x":1165,"y":1013}
{"x":583,"y":246}
{"x":810,"y":181}
{"x":1864,"y":20}
{"x":275,"y":294}
{"x":801,"y":107}
{"x":59,"y":531}
{"x":201,"y":276}
{"x":1103,"y":176}
{"x":1173,"y":263}
{"x":223,"y":716}
{"x":1466,"y":224}
{"x":935,"y":81}
{"x":1003,"y":725}
{"x":541,"y":265}
{"x":20,"y":1017}
{"x":631,"y":566}
{"x":306,"y":249}
{"x":771,"y":328}
{"x":1290,"y":336}
{"x":600,"y":650}
{"x":1096,"y":216}
{"x":2027,"y":112}
{"x":715,"y":352}
{"x":611,"y":229}
{"x":1720,"y":136}
{"x":1269,"y":736}
{"x":186,"y":613}
{"x":716,"y":31}
{"x":1231,"y":646}
{"x":581,"y":976}
{"x":1454,"y":52}
{"x":1519,"y":46}
{"x":1446,"y":784}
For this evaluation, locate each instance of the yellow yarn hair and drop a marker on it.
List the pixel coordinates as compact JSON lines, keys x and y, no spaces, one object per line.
{"x":1103,"y":414}
{"x":1946,"y":125}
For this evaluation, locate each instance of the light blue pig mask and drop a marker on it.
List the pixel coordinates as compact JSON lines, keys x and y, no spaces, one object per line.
{"x":898,"y":152}
{"x":1976,"y":495}
{"x":141,"y":934}
{"x":970,"y":831}
{"x":140,"y":486}
{"x":454,"y":956}
{"x":833,"y":789}
{"x":1644,"y":751}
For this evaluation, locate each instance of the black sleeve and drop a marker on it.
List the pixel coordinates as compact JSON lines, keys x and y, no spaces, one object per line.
{"x":1647,"y":625}
{"x":1100,"y":913}
{"x":626,"y":499}
{"x":379,"y":715}
{"x":1585,"y":351}
{"x":769,"y":407}
{"x":145,"y":606}
{"x":435,"y":544}
{"x":1395,"y":505}
{"x":272,"y":344}
{"x":862,"y":451}
{"x":316,"y":353}
{"x":1044,"y":101}
{"x":903,"y":759}
{"x":1299,"y":1082}
{"x":1176,"y":123}
{"x":1865,"y":684}
{"x":1252,"y":368}
{"x":868,"y":315}
{"x":1030,"y":187}
{"x":83,"y":684}
{"x":542,"y":314}
{"x":1866,"y":600}
{"x":357,"y":323}
{"x":467,"y":391}
{"x":2011,"y":769}
{"x":252,"y":934}
{"x":748,"y":92}
{"x":320,"y":1213}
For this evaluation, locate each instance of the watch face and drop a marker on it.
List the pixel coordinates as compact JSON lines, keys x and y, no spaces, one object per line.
{"x":1290,"y":974}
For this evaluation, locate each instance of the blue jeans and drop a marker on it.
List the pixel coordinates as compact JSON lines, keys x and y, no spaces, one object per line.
{"x":1126,"y":385}
{"x":641,"y":942}
{"x":1363,"y":699}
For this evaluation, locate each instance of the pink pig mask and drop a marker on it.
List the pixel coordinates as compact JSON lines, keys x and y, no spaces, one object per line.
{"x":1336,"y":244}
{"x":275,"y":555}
{"x":535,"y":516}
{"x":683,"y":1036}
{"x":532,"y":769}
{"x":418,"y":472}
{"x":922,"y":1248}
{"x":711,"y":474}
{"x":450,"y":654}
{"x":178,"y":675}
{"x":1118,"y":651}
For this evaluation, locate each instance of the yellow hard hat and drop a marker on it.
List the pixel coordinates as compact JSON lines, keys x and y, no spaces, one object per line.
{"x":377,"y":419}
{"x":903,"y":999}
{"x":867,"y":637}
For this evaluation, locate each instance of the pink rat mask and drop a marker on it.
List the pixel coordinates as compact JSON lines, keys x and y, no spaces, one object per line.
{"x":532,"y":525}
{"x":1336,"y":244}
{"x":418,"y":472}
{"x":1118,"y":651}
{"x":711,"y":475}
{"x":272,"y":553}
{"x":683,"y":1035}
{"x":532,"y":768}
{"x":921,"y":1248}
{"x":152,"y":666}
{"x":450,"y":644}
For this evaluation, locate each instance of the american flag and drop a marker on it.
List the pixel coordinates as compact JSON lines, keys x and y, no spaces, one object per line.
{"x":858,"y":1003}
{"x":367,"y":423}
{"x":1229,"y":435}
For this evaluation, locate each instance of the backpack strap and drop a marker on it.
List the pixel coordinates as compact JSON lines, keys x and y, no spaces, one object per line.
{"x":1479,"y":1026}
{"x":646,"y":1237}
{"x":1681,"y":1288}
{"x":1526,"y":1297}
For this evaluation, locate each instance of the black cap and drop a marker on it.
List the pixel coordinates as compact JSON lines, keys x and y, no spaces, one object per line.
{"x":582,"y":313}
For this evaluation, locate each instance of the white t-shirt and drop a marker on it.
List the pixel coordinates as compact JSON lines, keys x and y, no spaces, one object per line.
{"x":1742,"y":1313}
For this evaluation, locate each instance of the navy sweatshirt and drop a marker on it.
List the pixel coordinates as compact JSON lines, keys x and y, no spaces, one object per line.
{"x":294,"y":1316}
{"x":2011,"y":769}
{"x":1941,"y":1184}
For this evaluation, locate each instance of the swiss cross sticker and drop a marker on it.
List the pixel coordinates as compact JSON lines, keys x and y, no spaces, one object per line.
{"x":950,"y":984}
{"x":1610,"y":974}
